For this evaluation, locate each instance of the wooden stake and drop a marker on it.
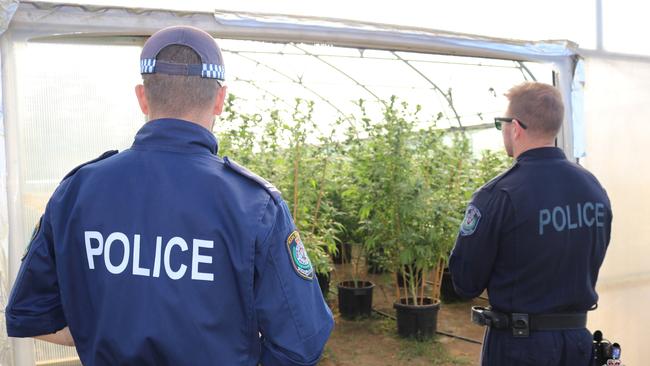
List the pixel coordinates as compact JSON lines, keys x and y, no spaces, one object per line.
{"x":424,"y":280}
{"x":438,"y":279}
{"x":399,"y":296}
{"x":406,"y":287}
{"x":295,"y":182}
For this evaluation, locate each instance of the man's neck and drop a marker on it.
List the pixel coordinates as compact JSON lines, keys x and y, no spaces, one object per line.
{"x":533,"y":145}
{"x":203,"y":122}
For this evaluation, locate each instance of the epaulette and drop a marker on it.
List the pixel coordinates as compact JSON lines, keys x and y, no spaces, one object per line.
{"x":490,"y":185}
{"x":103,"y":156}
{"x":270,"y":188}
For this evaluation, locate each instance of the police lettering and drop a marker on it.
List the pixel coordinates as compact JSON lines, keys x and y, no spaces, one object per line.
{"x":96,"y":246}
{"x":568,"y":217}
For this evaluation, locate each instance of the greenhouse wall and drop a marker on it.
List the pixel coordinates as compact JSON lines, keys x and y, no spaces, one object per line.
{"x":616,"y":115}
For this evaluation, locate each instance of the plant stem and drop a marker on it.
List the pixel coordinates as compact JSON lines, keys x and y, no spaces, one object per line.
{"x":399,"y":296}
{"x":405,"y":285}
{"x":356,"y":264}
{"x":296,"y":166}
{"x":413,"y":286}
{"x":321,"y":191}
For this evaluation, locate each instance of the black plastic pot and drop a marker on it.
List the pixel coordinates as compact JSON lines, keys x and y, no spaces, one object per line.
{"x":447,"y":292}
{"x":417,"y":321}
{"x":343,"y":253}
{"x":355,"y":298}
{"x":407,"y":274}
{"x":324,"y":283}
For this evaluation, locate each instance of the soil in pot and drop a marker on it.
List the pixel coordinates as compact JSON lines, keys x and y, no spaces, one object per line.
{"x":355,"y":299}
{"x":343,"y":253}
{"x":417,"y":321}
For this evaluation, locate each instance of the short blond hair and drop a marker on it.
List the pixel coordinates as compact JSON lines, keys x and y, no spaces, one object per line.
{"x":175,"y":95}
{"x":539,"y":106}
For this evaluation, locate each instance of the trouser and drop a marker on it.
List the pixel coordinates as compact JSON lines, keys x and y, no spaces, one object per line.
{"x":541,"y":348}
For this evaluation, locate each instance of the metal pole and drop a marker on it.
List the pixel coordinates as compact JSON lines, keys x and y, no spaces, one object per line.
{"x":599,"y":25}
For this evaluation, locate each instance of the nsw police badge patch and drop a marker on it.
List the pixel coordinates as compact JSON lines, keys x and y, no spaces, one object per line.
{"x":298,"y":256}
{"x":471,"y":220}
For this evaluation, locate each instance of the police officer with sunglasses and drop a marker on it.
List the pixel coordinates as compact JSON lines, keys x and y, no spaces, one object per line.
{"x":535,"y":238}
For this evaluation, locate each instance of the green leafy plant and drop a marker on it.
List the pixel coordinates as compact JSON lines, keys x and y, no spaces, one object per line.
{"x":395,"y":186}
{"x":274,"y":144}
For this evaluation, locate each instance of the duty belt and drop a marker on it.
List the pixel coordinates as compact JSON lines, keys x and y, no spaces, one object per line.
{"x":522,"y":324}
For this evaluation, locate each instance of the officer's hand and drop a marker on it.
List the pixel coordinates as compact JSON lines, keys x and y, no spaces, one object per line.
{"x":62,"y":337}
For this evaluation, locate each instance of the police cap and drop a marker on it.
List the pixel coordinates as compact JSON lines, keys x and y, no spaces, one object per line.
{"x":202,"y":43}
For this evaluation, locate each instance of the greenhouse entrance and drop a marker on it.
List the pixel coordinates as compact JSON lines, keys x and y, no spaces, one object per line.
{"x":358,"y":134}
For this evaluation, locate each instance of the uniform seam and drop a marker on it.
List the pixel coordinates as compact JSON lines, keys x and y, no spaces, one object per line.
{"x":514,"y":285}
{"x":31,"y":251}
{"x":286,"y":297}
{"x":251,"y":328}
{"x":164,"y":148}
{"x":259,"y":219}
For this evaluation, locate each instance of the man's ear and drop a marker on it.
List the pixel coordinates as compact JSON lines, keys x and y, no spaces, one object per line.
{"x":142,"y":99}
{"x":219,"y":100}
{"x":517,"y":130}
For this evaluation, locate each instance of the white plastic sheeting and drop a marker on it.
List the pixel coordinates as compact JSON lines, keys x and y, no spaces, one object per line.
{"x":577,"y":102}
{"x":7,"y":10}
{"x":617,"y":92}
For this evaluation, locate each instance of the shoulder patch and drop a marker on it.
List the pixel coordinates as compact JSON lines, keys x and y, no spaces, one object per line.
{"x":471,"y":221}
{"x":270,"y":188}
{"x":298,"y":257}
{"x":489,"y":185}
{"x":103,"y":156}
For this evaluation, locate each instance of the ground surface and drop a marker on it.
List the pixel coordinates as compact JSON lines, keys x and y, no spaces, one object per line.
{"x":375,"y":342}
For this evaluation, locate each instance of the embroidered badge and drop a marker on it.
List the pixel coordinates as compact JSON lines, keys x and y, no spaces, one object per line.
{"x":471,"y":220}
{"x":298,"y":255}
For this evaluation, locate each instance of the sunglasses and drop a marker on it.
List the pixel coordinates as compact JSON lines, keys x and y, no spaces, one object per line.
{"x":498,"y":121}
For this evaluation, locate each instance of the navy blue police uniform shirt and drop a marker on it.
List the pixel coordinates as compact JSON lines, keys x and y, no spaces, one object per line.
{"x":166,"y":254}
{"x":535,"y":237}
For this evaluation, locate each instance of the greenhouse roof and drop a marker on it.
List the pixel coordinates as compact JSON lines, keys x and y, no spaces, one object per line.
{"x":271,"y":59}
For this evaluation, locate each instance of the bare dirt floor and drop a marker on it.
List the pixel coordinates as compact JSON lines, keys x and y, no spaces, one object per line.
{"x":374,"y":341}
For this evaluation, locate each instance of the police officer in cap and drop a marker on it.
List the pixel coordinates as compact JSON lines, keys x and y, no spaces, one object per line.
{"x":535,"y":238}
{"x":167,"y":254}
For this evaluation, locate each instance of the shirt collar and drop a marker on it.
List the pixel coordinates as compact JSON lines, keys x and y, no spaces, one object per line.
{"x":542,"y":153}
{"x":169,"y":134}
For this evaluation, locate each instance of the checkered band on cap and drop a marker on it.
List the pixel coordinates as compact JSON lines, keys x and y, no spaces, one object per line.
{"x":211,"y":64}
{"x":147,"y":66}
{"x":213,"y":71}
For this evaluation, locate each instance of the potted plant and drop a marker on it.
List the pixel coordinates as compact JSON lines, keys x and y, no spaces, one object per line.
{"x":441,"y":164}
{"x":298,"y":168}
{"x":413,"y":177}
{"x":355,"y":294}
{"x":391,"y":192}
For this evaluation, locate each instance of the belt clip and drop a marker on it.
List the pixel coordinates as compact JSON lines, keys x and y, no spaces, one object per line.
{"x":520,"y":325}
